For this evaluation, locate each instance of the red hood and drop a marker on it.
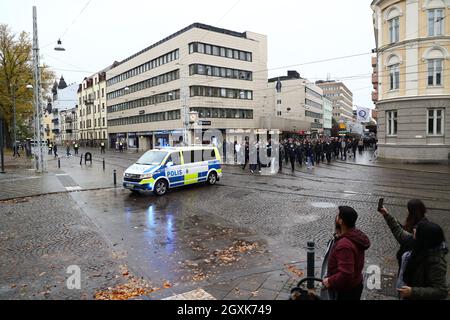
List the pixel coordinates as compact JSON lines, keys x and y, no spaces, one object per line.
{"x":358,"y":238}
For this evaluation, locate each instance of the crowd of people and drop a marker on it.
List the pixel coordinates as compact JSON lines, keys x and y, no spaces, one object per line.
{"x":310,"y":152}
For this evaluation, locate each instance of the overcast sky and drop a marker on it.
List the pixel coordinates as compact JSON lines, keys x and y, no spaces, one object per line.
{"x":299,"y":32}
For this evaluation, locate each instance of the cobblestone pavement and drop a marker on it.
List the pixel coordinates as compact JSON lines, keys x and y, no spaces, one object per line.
{"x":40,"y":238}
{"x":176,"y":238}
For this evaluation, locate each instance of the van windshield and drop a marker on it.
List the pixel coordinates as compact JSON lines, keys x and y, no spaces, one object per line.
{"x":152,"y":158}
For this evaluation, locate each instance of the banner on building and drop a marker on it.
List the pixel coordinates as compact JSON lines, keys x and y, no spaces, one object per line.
{"x":363,"y":115}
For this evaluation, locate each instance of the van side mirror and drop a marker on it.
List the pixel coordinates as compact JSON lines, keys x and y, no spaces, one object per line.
{"x":169,"y":164}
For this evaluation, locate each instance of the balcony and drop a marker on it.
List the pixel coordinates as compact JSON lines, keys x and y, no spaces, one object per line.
{"x":69,"y":131}
{"x":89,"y":101}
{"x":375,"y":96}
{"x":375,"y":78}
{"x":374,"y":62}
{"x":55,"y":131}
{"x":55,"y":121}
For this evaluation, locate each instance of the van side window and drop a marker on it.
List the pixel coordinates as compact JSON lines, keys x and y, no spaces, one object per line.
{"x":175,"y":159}
{"x":198,"y":155}
{"x":209,"y":155}
{"x":187,"y":156}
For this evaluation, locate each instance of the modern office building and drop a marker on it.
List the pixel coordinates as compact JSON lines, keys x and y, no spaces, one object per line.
{"x":92,"y":117}
{"x":327,"y":116}
{"x":218,"y":73}
{"x":413,"y":103}
{"x":341,"y":97}
{"x":296,"y":104}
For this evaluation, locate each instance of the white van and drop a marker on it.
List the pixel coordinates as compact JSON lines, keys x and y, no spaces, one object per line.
{"x":164,"y":168}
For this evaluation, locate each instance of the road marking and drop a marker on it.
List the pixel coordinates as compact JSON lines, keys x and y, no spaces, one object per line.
{"x":61,"y":174}
{"x":198,"y":294}
{"x":77,"y":188}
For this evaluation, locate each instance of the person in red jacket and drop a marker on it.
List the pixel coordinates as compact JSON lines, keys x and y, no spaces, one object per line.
{"x":346,"y":260}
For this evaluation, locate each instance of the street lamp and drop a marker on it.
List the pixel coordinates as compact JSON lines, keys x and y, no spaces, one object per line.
{"x":59,"y":46}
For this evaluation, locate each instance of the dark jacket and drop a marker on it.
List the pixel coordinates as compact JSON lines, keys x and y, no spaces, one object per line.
{"x":403,"y":237}
{"x":428,"y":278}
{"x":346,"y":262}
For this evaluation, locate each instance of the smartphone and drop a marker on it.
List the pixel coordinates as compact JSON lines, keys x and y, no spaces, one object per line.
{"x":380,"y":204}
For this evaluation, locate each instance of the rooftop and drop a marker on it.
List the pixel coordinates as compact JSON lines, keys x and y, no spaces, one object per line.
{"x":176,"y":34}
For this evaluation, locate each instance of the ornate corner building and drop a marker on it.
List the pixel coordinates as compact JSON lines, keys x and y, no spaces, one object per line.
{"x":413,"y":75}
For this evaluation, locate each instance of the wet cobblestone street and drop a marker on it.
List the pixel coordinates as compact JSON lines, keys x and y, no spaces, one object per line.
{"x":239,"y":239}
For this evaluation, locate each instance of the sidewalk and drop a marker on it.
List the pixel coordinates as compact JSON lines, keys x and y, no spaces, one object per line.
{"x":366,"y":159}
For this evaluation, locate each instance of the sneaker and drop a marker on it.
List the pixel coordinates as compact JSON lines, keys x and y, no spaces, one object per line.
{"x":252,"y":172}
{"x":259,"y":171}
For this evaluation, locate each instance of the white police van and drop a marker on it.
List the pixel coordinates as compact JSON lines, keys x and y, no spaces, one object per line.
{"x":165,"y":168}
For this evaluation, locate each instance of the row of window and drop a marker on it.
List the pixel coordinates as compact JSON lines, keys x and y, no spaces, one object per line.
{"x":86,"y":135}
{"x":222,"y":113}
{"x":88,"y":123}
{"x":435,"y":25}
{"x":147,"y":101}
{"x":152,"y":64}
{"x":435,"y":123}
{"x":198,"y":47}
{"x":313,"y":93}
{"x":192,"y":156}
{"x":434,"y":78}
{"x":220,"y":72}
{"x":316,"y":126}
{"x":152,"y":117}
{"x":221,"y":93}
{"x":313,"y":104}
{"x":313,"y":115}
{"x":152,"y":82}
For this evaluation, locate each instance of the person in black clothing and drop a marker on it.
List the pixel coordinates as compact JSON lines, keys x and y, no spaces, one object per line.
{"x":246,"y":154}
{"x":281,"y":152}
{"x":354,"y":147}
{"x":299,"y":151}
{"x":328,"y":150}
{"x":416,"y":214}
{"x":286,"y":154}
{"x":317,"y":152}
{"x":291,"y":152}
{"x":55,"y":151}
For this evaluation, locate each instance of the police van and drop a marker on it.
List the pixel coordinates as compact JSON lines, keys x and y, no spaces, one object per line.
{"x":162,"y":169}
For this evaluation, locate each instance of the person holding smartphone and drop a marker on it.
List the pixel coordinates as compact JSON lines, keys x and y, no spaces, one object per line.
{"x":404,"y":233}
{"x":423,"y":273}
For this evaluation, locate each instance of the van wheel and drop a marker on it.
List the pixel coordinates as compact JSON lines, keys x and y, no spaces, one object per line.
{"x":212,"y":178}
{"x":160,"y":188}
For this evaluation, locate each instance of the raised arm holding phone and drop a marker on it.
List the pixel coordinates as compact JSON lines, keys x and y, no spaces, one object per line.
{"x":422,"y":261}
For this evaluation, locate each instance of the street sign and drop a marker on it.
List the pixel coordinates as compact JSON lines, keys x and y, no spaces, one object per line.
{"x":204,"y":123}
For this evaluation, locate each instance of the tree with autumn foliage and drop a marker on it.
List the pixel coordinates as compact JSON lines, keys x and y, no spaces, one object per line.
{"x":16,"y":72}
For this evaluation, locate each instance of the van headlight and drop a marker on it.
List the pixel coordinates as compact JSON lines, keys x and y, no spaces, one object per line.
{"x":147,"y":176}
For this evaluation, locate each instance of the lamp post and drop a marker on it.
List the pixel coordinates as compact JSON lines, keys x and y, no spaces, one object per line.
{"x":39,"y":154}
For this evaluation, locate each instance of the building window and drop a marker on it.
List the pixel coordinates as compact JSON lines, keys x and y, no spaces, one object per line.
{"x":435,"y":122}
{"x":394,"y":25}
{"x":391,"y":123}
{"x":435,"y":22}
{"x":435,"y":72}
{"x":394,"y":77}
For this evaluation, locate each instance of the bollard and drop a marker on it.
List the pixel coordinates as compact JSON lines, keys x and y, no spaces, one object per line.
{"x":310,"y":264}
{"x":103,"y":164}
{"x":81,"y":160}
{"x":59,"y":163}
{"x":115,"y":177}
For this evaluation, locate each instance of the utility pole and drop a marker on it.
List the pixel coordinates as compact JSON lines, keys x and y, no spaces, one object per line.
{"x":39,"y":154}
